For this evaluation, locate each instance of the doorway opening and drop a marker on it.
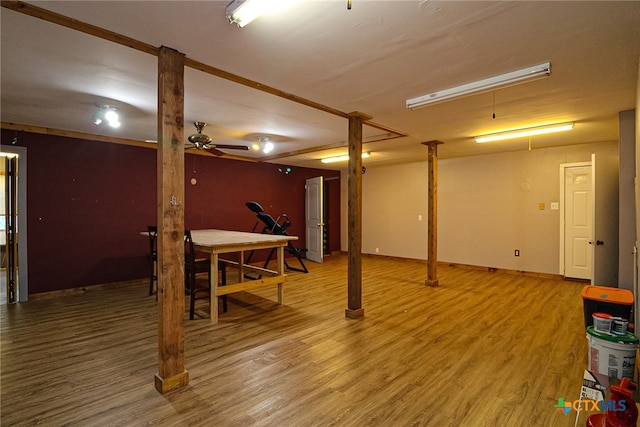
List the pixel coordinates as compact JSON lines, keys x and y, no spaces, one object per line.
{"x":13,"y":229}
{"x":589,"y":220}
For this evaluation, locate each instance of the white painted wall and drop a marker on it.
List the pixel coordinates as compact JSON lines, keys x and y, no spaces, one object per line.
{"x":488,"y":206}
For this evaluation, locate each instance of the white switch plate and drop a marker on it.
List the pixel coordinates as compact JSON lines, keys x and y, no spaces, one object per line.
{"x":419,"y":217}
{"x":555,"y":206}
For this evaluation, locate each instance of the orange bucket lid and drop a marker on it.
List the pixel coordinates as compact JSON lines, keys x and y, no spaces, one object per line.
{"x":607,"y":294}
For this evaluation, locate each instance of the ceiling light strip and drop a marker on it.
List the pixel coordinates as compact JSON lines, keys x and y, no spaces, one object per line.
{"x":521,"y":133}
{"x":342,"y":158}
{"x":504,"y":80}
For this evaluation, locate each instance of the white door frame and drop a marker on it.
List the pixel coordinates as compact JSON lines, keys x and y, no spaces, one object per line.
{"x":23,"y":272}
{"x":563,"y":167}
{"x":314,"y":221}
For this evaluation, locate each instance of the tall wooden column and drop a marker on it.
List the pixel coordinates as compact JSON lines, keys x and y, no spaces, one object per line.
{"x":354,"y":308}
{"x":432,"y":214}
{"x":171,"y":372}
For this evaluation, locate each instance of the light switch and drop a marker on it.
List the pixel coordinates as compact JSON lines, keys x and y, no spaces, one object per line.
{"x":541,"y":206}
{"x":419,"y":217}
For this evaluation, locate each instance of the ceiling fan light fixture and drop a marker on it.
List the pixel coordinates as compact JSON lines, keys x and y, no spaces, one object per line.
{"x":504,"y":80}
{"x":97,"y":118}
{"x":199,"y":139}
{"x":342,"y":158}
{"x":268,"y":147}
{"x":108,"y":113}
{"x":521,"y":133}
{"x":264,"y":144}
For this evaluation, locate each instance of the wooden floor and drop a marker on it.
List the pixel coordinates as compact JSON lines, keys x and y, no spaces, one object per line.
{"x":483,"y":349}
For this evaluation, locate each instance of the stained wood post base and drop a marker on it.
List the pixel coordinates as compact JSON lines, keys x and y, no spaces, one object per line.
{"x":167,"y":384}
{"x":354,"y":314}
{"x":432,"y":283}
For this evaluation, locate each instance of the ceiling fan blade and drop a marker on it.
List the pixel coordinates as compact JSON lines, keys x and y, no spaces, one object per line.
{"x":231,"y":147}
{"x":215,"y":151}
{"x":202,"y":152}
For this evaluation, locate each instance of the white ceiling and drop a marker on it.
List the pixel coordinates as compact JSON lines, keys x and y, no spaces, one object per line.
{"x":368,"y":59}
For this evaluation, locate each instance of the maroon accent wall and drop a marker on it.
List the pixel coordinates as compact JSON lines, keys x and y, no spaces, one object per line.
{"x":87,"y":202}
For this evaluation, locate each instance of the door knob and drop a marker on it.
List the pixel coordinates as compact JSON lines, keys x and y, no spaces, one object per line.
{"x":599,"y":242}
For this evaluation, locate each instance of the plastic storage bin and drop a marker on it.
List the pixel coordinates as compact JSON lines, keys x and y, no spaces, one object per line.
{"x":603,"y":299}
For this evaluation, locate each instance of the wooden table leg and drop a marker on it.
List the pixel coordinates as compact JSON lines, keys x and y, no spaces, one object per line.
{"x":213,"y":294}
{"x":281,"y":273}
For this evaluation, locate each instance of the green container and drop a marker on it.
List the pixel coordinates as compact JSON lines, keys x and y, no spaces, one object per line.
{"x":627,"y":338}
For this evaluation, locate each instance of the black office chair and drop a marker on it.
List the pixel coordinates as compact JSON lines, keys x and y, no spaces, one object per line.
{"x":194,"y":266}
{"x":153,"y":257}
{"x":274,"y":226}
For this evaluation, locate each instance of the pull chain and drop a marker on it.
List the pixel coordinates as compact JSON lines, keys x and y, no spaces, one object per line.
{"x":494,"y":104}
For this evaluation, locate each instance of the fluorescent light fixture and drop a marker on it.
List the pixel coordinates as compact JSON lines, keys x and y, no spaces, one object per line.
{"x":521,"y":133}
{"x":242,"y":12}
{"x":342,"y":158}
{"x":504,"y":80}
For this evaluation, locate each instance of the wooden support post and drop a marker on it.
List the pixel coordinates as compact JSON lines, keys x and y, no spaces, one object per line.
{"x":170,"y":171}
{"x":432,"y":214}
{"x":354,"y":309}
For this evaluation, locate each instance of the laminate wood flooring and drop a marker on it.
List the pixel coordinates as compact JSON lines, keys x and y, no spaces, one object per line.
{"x":482,"y":349}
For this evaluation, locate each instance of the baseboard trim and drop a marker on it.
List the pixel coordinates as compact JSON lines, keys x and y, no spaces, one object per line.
{"x":85,"y":289}
{"x":473,"y":267}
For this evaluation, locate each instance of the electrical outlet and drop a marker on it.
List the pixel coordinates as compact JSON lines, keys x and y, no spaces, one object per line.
{"x":517,"y":252}
{"x":377,"y":250}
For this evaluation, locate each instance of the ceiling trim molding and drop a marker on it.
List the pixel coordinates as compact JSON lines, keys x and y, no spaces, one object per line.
{"x":109,"y":139}
{"x":377,"y":138}
{"x":73,"y":134}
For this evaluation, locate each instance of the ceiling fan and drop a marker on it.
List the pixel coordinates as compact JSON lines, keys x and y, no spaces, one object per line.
{"x":201,"y":141}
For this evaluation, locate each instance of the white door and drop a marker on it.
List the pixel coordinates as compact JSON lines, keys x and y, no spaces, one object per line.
{"x":605,"y":220}
{"x":578,"y":222}
{"x":314,"y":223}
{"x":589,"y":230}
